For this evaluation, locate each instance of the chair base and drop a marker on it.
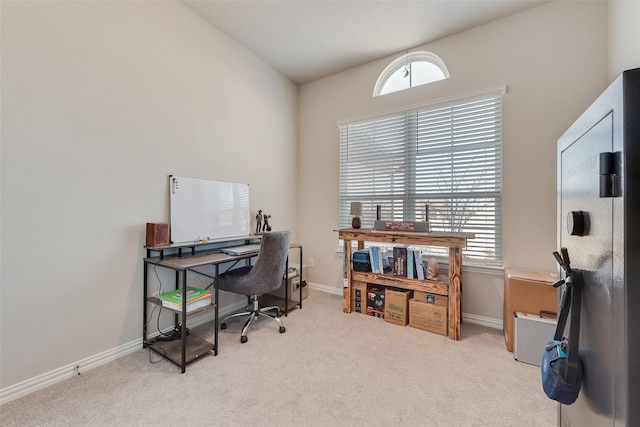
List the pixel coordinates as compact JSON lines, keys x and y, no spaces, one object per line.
{"x":254,"y":311}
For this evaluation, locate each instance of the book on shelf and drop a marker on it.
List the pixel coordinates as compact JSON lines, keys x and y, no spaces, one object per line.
{"x":417,"y":257}
{"x":196,"y":298}
{"x":382,"y":254}
{"x":375,"y":257}
{"x":190,"y":306}
{"x":411,"y":267}
{"x":400,"y":261}
{"x":407,"y":262}
{"x":371,"y":263}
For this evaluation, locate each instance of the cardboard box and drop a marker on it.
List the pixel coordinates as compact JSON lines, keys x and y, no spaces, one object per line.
{"x":359,"y":297}
{"x":396,"y":306}
{"x":429,"y":317}
{"x":527,"y":292}
{"x":375,"y":301}
{"x":421,"y":296}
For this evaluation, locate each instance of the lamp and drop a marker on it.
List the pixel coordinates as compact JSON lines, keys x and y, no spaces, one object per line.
{"x":356,"y":211}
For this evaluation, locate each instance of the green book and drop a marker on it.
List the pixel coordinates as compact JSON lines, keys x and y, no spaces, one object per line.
{"x":175,"y":297}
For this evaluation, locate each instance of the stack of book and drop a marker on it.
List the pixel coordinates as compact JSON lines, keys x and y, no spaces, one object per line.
{"x":407,"y":262}
{"x":196,"y":298}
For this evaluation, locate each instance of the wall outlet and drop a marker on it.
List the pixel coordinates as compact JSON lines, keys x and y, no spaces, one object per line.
{"x":311,"y":263}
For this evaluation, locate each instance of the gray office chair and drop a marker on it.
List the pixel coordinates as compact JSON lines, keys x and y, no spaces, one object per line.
{"x":264,"y":276}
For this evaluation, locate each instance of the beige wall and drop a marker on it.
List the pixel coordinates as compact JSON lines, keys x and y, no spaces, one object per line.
{"x":101,"y":101}
{"x":553,"y":60}
{"x":624,"y":34}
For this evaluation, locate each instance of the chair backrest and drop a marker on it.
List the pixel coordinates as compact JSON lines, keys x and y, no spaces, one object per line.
{"x":268,"y":270}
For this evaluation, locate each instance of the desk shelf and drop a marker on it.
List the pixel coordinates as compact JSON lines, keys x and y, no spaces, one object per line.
{"x":158,"y":302}
{"x":172,"y":350}
{"x":178,"y":351}
{"x":190,"y":348}
{"x":192,"y":248}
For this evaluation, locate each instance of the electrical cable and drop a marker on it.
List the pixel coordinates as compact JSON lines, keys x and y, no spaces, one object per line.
{"x":147,"y":321}
{"x":157,"y":306}
{"x":157,"y":349}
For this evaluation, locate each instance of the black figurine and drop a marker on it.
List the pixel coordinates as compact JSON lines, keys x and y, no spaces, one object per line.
{"x":258,"y":221}
{"x":266,"y":225}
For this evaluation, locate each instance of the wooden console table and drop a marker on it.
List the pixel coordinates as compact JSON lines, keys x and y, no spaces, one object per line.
{"x":452,"y":288}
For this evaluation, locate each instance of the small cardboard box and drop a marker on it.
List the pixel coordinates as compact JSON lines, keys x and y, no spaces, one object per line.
{"x":396,"y":306}
{"x":375,"y":301}
{"x":430,"y":298}
{"x":429,"y":317}
{"x":359,"y":297}
{"x":527,"y":292}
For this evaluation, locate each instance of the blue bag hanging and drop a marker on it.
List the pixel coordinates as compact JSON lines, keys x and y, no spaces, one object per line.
{"x":554,"y":367}
{"x":561,"y":367}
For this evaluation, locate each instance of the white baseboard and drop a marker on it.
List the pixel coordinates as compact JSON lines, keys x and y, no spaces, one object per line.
{"x":324,"y":288}
{"x":71,"y":370}
{"x":47,"y":379}
{"x":489,"y":322}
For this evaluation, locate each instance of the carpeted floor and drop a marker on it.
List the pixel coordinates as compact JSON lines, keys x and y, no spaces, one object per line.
{"x":328,"y":369}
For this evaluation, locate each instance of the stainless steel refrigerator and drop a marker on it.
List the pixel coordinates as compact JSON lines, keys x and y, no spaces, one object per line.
{"x":599,"y":224}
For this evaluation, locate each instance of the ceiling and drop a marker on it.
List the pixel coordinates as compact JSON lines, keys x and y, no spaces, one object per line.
{"x":309,"y":39}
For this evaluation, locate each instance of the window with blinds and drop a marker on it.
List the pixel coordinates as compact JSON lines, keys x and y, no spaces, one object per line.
{"x":444,"y":158}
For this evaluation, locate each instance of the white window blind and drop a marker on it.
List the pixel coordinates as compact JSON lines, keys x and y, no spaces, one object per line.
{"x":447,"y":156}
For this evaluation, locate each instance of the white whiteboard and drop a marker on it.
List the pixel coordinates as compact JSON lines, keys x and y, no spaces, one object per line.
{"x":204,"y":209}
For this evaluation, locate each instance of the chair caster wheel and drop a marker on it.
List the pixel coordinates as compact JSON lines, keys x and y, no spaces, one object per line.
{"x":282,"y":329}
{"x":223,"y":326}
{"x":243,"y":339}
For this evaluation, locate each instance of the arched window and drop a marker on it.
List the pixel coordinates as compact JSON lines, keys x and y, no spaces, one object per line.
{"x":411,"y":70}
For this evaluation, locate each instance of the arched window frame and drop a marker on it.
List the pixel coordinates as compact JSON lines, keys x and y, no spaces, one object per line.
{"x":420,"y":56}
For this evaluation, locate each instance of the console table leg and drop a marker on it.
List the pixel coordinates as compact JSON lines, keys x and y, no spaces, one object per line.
{"x":346,"y":277}
{"x":455,"y":292}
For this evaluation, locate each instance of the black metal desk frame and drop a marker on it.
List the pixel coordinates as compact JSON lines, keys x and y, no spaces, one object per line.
{"x":174,"y":257}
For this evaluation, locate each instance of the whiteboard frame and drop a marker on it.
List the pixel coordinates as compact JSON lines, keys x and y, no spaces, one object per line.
{"x":201,"y":209}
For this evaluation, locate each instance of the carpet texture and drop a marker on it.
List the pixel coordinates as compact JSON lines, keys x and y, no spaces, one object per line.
{"x":328,"y":369}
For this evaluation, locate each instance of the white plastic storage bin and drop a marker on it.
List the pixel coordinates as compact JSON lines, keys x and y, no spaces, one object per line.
{"x":532,"y":333}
